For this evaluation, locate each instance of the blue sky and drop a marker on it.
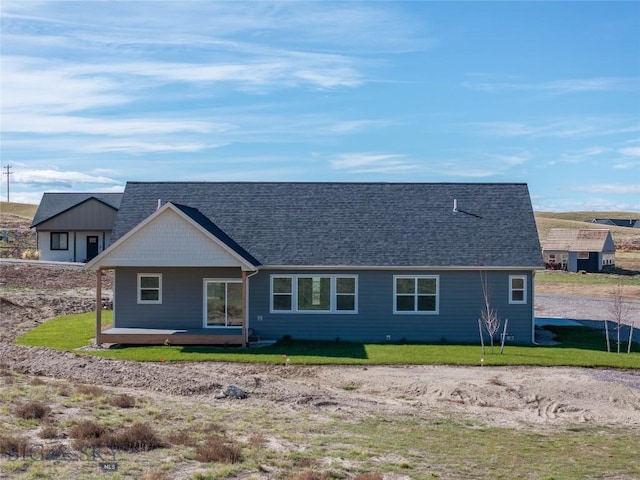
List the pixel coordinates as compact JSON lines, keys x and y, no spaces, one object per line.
{"x":96,"y":93}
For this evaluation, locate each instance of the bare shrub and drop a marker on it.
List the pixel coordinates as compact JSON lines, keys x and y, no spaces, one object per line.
{"x":90,"y":390}
{"x":64,"y":391}
{"x":218,"y":449}
{"x":305,"y":462}
{"x":309,"y":475}
{"x":87,"y":430}
{"x":368,"y":476}
{"x":32,"y":410}
{"x":35,"y":381}
{"x":123,"y":401}
{"x":139,"y":437}
{"x":13,"y":446}
{"x":9,"y":380}
{"x":214,"y":428}
{"x":49,"y":431}
{"x":182,"y":437}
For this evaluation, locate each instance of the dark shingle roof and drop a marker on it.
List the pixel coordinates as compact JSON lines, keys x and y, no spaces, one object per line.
{"x":358,"y":224}
{"x":53,"y":204}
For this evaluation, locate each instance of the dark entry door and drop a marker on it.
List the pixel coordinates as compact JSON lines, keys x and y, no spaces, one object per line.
{"x":92,"y":247}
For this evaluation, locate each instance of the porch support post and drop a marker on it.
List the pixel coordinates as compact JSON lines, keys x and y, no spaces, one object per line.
{"x":244,"y":308}
{"x":98,"y":306}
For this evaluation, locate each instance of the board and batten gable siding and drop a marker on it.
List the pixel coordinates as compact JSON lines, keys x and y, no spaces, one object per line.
{"x":460,"y":302}
{"x":170,"y":240}
{"x":91,"y":215}
{"x":182,"y":304}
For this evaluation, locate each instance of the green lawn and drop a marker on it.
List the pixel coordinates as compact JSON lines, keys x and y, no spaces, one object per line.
{"x":557,"y":277}
{"x":581,"y":346}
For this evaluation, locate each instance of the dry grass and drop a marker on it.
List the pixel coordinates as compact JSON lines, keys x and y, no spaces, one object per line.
{"x":90,"y":390}
{"x":14,"y":446}
{"x":218,"y":449}
{"x":49,"y":432}
{"x":32,"y":410}
{"x":309,"y":475}
{"x":368,"y":476}
{"x":123,"y":401}
{"x":139,"y":437}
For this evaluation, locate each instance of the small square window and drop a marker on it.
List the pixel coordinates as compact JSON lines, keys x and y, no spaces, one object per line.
{"x":59,"y":241}
{"x":149,"y":288}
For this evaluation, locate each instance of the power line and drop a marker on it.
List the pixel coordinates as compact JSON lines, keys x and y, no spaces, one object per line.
{"x":8,"y":173}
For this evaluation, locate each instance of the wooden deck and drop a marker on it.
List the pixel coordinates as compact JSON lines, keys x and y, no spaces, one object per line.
{"x":147,"y":336}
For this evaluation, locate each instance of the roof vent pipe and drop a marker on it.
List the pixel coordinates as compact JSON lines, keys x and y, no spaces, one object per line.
{"x":159,"y":203}
{"x":455,"y":205}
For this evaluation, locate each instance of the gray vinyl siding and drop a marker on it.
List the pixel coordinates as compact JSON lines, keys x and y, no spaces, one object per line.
{"x":460,"y":301}
{"x":91,"y":215}
{"x":182,"y":298}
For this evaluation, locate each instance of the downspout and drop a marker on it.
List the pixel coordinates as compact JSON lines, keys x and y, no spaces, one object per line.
{"x":245,"y":283}
{"x":99,"y":307}
{"x":533,"y":308}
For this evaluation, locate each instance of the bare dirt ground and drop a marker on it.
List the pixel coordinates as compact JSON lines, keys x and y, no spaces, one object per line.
{"x":510,"y":396}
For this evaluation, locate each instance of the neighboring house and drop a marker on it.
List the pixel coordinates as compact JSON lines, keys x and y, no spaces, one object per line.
{"x":74,"y":227}
{"x":618,"y":222}
{"x":589,"y":250}
{"x":216,"y":263}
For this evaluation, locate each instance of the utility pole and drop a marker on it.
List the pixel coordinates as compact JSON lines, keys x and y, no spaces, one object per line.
{"x":8,"y":173}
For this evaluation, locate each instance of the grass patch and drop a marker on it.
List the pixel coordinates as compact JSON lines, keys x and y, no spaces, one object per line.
{"x":557,"y":277}
{"x":580,"y":347}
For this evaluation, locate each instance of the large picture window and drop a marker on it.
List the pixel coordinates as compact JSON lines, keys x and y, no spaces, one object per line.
{"x":517,"y":289}
{"x":415,"y":294}
{"x":59,"y":241}
{"x":149,"y":288}
{"x":314,"y":293}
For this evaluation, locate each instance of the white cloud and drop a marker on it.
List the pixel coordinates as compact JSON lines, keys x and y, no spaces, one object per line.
{"x":630,"y":151}
{"x":559,"y":87}
{"x":561,"y":128}
{"x":61,"y":179}
{"x":64,"y":124}
{"x":609,"y":188}
{"x":373,"y":163}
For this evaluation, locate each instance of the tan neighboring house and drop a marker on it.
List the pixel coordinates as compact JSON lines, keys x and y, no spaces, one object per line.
{"x":574,"y":250}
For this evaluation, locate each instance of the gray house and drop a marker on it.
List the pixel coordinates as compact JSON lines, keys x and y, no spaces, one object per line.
{"x":74,"y":227}
{"x":226,"y":263}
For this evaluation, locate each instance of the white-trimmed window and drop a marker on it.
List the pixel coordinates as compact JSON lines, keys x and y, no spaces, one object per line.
{"x":149,"y":288}
{"x":517,"y":289}
{"x":59,"y":240}
{"x":416,"y":294}
{"x":583,"y":255}
{"x":314,"y":293}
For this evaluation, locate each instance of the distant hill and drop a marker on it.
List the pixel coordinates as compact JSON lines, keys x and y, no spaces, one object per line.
{"x":24,"y":210}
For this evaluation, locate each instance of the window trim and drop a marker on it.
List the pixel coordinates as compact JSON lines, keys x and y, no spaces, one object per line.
{"x":524,"y":290}
{"x":51,"y":234}
{"x":226,"y":282}
{"x":333,"y":307}
{"x":159,"y":289}
{"x":415,"y":311}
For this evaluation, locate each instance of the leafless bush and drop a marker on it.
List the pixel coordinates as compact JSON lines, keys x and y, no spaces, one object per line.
{"x":87,"y":430}
{"x":309,"y":475}
{"x":9,"y":380}
{"x":32,"y":410}
{"x":13,"y":446}
{"x":123,"y":401}
{"x":140,"y":437}
{"x":49,"y":431}
{"x":368,"y":476}
{"x":35,"y":381}
{"x":218,"y":449}
{"x":182,"y":437}
{"x":90,"y":390}
{"x":257,"y":440}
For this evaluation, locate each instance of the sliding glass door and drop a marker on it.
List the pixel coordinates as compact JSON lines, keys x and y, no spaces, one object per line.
{"x":223,"y":303}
